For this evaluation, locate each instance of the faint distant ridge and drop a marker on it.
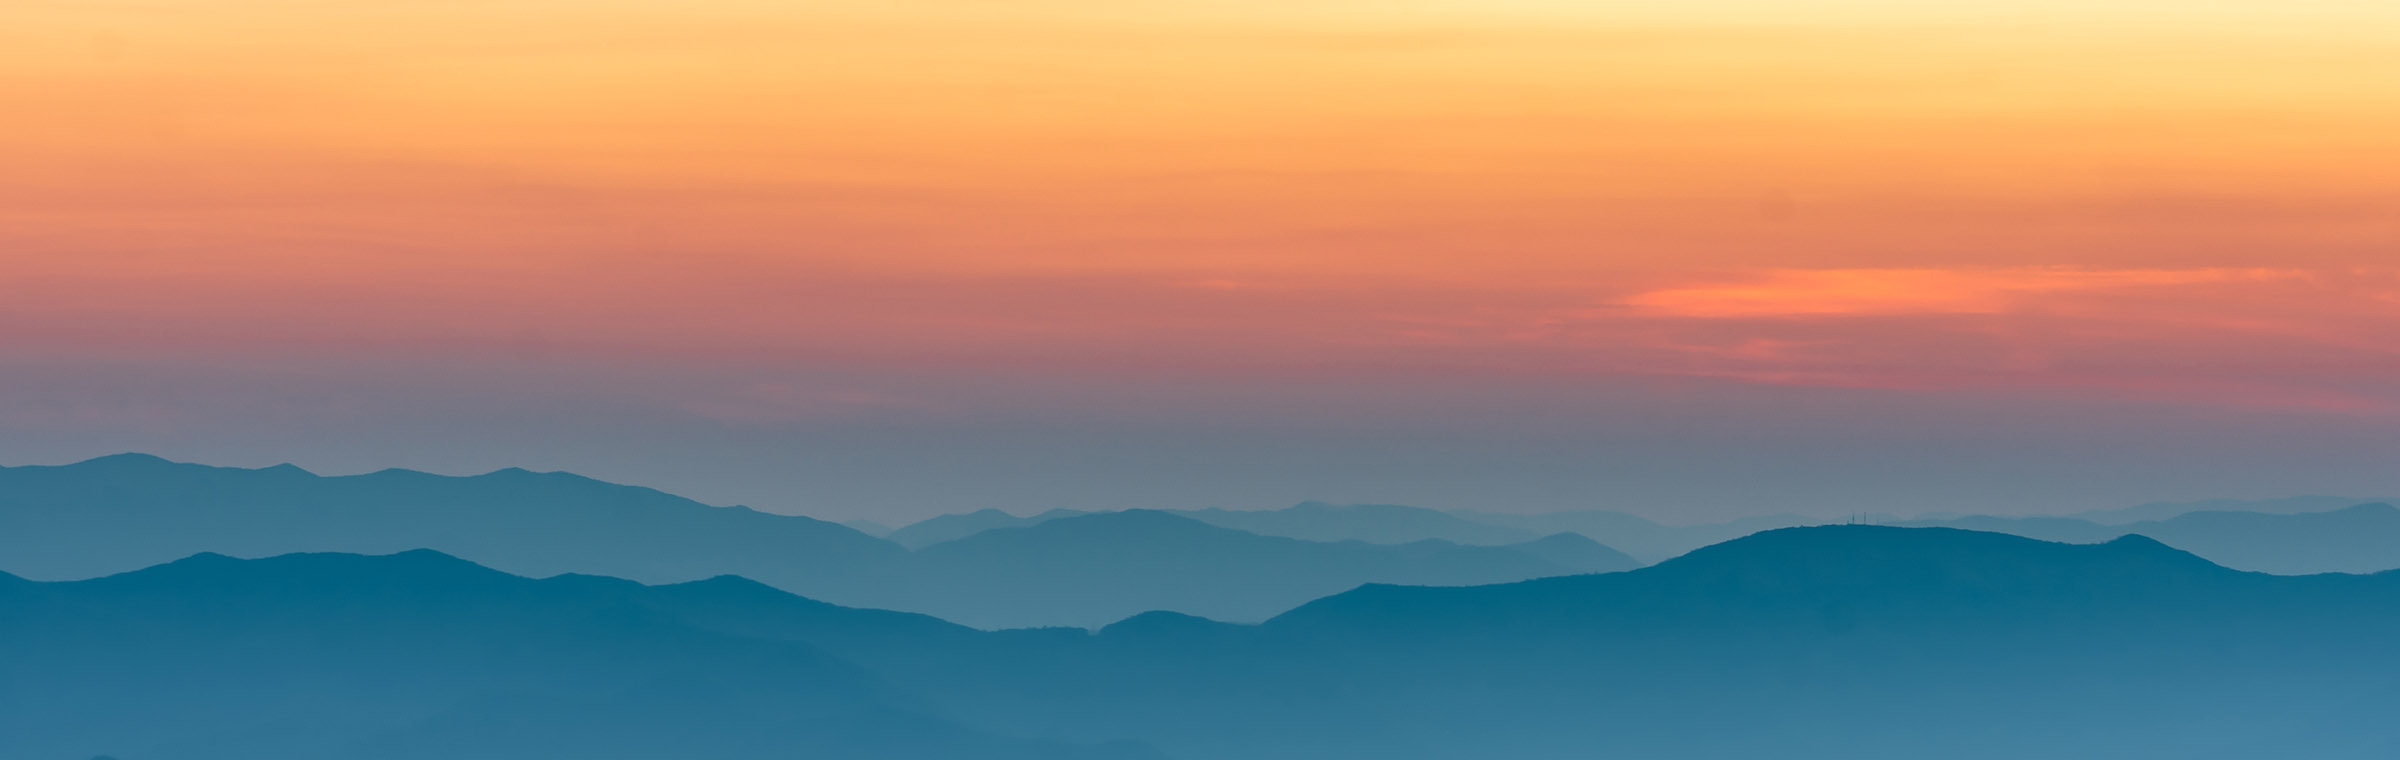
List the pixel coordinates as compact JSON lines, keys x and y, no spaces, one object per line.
{"x":1094,"y":569}
{"x":132,"y":510}
{"x":1644,"y":539}
{"x":2362,"y":538}
{"x":942,"y":528}
{"x":1307,"y":521}
{"x":122,"y":512}
{"x":1372,"y":523}
{"x":2162,"y":510}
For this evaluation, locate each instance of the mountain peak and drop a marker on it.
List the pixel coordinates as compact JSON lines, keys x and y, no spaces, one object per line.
{"x":1921,"y":573}
{"x":127,"y":459}
{"x":2136,"y":545}
{"x":203,"y":558}
{"x":2138,"y":542}
{"x":137,"y":462}
{"x":1873,"y":554}
{"x":1563,"y":539}
{"x":1578,"y":553}
{"x":324,"y":572}
{"x":1157,"y":624}
{"x":730,"y":585}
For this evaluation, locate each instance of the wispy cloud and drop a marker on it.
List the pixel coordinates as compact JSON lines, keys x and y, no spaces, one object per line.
{"x":2227,"y":337}
{"x":1840,"y":292}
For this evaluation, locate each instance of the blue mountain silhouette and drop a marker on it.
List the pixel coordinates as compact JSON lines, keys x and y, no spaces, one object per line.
{"x":1835,"y":642}
{"x":2363,"y":538}
{"x":420,"y":655}
{"x":124,"y":512}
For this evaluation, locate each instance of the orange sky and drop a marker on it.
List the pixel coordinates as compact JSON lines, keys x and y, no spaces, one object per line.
{"x":1433,"y":138}
{"x":2179,"y":202}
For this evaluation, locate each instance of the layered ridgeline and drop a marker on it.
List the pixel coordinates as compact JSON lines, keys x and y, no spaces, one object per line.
{"x":1307,"y":521}
{"x":420,"y":656}
{"x":2297,"y":536}
{"x":119,"y":513}
{"x":2163,"y":510}
{"x":1094,"y":569}
{"x":986,"y":569}
{"x":2364,"y":538}
{"x":1836,"y":642}
{"x":1644,"y":540}
{"x":124,"y":512}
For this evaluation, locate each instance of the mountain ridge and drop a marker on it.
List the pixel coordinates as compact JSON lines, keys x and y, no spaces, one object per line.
{"x":1934,"y":641}
{"x":1156,"y":559}
{"x":120,"y":512}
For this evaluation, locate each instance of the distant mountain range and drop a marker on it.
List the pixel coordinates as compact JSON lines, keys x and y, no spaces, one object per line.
{"x":1094,"y":569}
{"x":1308,"y":521}
{"x":124,"y":512}
{"x":987,"y":569}
{"x":943,"y":528}
{"x":118,"y":513}
{"x":2359,"y":539}
{"x":2161,"y":510}
{"x":1372,"y":523}
{"x":1642,"y":538}
{"x":1850,"y":642}
{"x":1645,"y":540}
{"x":2315,"y":534}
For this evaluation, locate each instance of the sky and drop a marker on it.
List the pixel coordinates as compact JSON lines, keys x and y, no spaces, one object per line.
{"x":859,"y":260}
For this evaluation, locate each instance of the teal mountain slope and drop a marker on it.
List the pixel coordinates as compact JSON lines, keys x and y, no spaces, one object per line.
{"x":118,"y":513}
{"x":2364,"y":538}
{"x":1843,"y":642}
{"x":420,"y":656}
{"x":1834,"y":642}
